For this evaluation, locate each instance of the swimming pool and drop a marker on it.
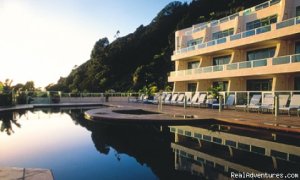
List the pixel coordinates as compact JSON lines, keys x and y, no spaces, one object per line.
{"x":73,"y":148}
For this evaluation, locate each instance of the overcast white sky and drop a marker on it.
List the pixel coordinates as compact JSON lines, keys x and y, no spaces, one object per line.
{"x":41,"y":40}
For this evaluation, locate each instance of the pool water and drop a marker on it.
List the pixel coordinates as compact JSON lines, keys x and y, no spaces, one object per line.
{"x":74,"y":148}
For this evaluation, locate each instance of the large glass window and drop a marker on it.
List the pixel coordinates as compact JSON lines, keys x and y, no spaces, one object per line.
{"x":298,"y":11}
{"x":222,"y":34}
{"x":222,"y":84}
{"x":261,"y":22}
{"x":261,"y":54}
{"x":221,"y":60}
{"x":194,"y":42}
{"x":297,"y":83}
{"x":297,"y":48}
{"x":193,"y":64}
{"x":192,"y":87}
{"x":259,"y":85}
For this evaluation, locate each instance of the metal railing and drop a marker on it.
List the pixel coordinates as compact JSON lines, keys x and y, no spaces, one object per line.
{"x":233,"y":37}
{"x":49,"y":97}
{"x":199,"y":27}
{"x":225,"y":67}
{"x":239,"y":65}
{"x":241,"y":35}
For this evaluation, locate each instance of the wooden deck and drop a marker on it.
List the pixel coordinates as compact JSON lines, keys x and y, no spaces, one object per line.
{"x":265,"y":120}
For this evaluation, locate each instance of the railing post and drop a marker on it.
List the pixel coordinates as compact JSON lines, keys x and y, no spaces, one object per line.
{"x":220,"y":102}
{"x":159,"y":103}
{"x":184,"y":102}
{"x":248,"y":97}
{"x":276,"y":105}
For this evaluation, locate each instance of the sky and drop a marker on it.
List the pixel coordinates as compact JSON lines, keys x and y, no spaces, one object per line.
{"x":42,"y":40}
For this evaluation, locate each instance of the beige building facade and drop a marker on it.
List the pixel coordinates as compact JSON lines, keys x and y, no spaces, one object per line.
{"x":257,"y":49}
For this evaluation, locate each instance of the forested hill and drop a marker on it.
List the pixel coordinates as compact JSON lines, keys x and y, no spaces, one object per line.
{"x":142,"y":58}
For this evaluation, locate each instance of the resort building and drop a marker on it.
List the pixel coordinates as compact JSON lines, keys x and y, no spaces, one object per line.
{"x":257,"y":49}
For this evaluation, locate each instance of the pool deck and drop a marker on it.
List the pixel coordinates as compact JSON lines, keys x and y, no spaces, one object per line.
{"x":13,"y":173}
{"x":261,"y":120}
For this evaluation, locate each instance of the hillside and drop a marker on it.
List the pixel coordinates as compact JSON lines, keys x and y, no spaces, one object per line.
{"x":143,"y":57}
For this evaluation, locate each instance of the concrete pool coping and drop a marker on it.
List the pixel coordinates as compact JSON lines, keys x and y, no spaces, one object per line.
{"x":33,"y":106}
{"x":9,"y":173}
{"x":115,"y":115}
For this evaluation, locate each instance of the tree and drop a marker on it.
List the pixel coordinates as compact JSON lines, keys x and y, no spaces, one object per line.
{"x":18,"y":87}
{"x":29,"y":86}
{"x":7,"y":85}
{"x":1,"y":86}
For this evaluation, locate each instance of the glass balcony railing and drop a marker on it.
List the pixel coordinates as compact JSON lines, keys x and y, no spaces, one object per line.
{"x":232,"y":66}
{"x":259,"y":63}
{"x":248,"y":33}
{"x":239,"y":65}
{"x":286,"y":59}
{"x":284,"y":24}
{"x":197,"y":28}
{"x":217,"y":68}
{"x":235,"y":37}
{"x":252,"y":32}
{"x":246,"y":64}
{"x":207,"y":69}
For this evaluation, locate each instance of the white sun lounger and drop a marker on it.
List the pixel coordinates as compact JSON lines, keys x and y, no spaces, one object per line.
{"x":294,"y":104}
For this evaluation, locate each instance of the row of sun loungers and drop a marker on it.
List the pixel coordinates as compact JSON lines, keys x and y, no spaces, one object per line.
{"x":257,"y":103}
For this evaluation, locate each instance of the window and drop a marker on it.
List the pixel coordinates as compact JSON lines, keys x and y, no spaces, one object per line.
{"x":297,"y":48}
{"x":221,"y":34}
{"x":230,"y":143}
{"x":258,"y":150}
{"x":217,"y":140}
{"x":261,"y":54}
{"x":279,"y":154}
{"x":261,"y":22}
{"x":222,"y":84}
{"x":298,"y":11}
{"x":188,"y":133}
{"x":297,"y":83}
{"x":207,"y":138}
{"x":221,"y":60}
{"x":197,"y":135}
{"x":244,"y":146}
{"x":259,"y":85}
{"x":192,"y":87}
{"x":194,"y":42}
{"x":193,"y":64}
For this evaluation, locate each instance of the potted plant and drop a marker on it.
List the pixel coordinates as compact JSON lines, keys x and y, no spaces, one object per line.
{"x":213,"y":94}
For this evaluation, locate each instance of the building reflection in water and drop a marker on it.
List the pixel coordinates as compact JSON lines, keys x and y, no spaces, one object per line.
{"x":214,"y":151}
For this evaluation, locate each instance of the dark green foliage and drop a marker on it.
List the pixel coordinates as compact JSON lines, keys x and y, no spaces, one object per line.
{"x":143,"y":57}
{"x":6,"y":99}
{"x":21,"y":98}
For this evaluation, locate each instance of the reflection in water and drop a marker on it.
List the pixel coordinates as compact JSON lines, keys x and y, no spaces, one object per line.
{"x":210,"y":150}
{"x":149,"y":145}
{"x":9,"y":120}
{"x":216,"y":153}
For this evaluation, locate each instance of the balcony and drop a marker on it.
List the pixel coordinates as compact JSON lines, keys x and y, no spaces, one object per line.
{"x":200,"y":27}
{"x":274,"y":31}
{"x":284,"y":64}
